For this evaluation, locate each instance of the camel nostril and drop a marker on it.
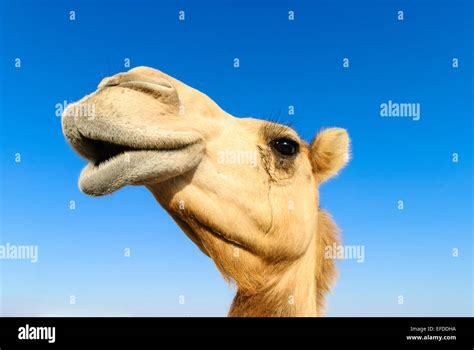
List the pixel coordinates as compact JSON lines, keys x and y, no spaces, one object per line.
{"x":163,"y":83}
{"x":111,"y":81}
{"x":137,"y":80}
{"x":159,"y":88}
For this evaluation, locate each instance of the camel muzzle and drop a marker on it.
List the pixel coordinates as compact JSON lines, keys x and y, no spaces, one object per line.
{"x":129,"y":146}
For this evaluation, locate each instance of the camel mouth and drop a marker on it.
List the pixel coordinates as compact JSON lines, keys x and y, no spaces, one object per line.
{"x":118,"y":156}
{"x":137,"y":167}
{"x":101,"y":152}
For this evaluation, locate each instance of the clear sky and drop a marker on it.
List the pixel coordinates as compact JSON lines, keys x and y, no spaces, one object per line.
{"x":409,"y":253}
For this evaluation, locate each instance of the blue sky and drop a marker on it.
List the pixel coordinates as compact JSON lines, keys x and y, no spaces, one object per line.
{"x":407,"y":252}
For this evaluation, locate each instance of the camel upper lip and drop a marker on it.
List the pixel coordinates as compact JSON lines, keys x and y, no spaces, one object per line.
{"x":98,"y":141}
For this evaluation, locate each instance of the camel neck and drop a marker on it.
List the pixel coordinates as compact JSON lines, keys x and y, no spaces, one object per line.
{"x":289,"y":293}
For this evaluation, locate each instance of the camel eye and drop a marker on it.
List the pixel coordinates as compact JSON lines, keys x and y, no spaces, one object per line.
{"x":285,"y":146}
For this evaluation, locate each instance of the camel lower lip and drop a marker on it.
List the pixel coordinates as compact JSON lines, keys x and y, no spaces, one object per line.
{"x":137,"y":168}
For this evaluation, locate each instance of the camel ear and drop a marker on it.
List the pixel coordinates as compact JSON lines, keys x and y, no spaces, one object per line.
{"x":329,"y":152}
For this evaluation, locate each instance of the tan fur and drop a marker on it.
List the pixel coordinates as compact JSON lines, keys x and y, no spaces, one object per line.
{"x":325,"y":273}
{"x":259,"y":222}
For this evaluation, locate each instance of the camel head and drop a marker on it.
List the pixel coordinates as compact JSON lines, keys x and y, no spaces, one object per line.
{"x":244,"y":190}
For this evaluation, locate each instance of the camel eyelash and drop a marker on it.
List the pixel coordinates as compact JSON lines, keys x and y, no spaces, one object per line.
{"x":272,"y":131}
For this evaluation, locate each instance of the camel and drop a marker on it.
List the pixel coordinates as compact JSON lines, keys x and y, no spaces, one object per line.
{"x":260,"y":221}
